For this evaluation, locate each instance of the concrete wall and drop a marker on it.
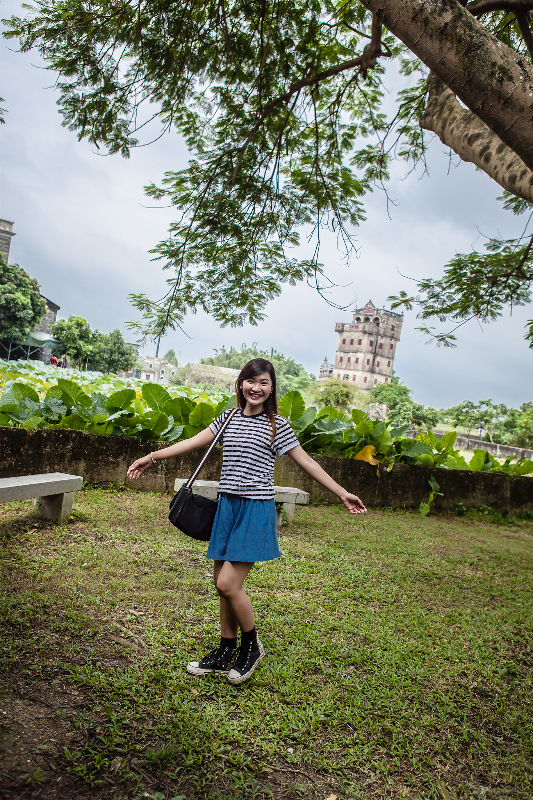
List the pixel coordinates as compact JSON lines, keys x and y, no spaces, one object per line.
{"x":106,"y":458}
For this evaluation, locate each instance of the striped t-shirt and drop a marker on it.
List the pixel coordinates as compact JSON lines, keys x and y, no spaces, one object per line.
{"x":249,"y":454}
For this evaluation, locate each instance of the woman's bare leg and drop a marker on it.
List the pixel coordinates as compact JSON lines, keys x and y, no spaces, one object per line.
{"x":235,"y":606}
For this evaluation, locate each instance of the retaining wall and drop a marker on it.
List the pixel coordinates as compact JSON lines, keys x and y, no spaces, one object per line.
{"x":103,"y":459}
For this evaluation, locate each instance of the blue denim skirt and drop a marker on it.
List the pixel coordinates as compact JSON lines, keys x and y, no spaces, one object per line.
{"x":244,"y":530}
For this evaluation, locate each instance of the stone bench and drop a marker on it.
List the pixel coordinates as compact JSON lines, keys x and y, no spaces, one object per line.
{"x":53,"y":492}
{"x":286,"y":497}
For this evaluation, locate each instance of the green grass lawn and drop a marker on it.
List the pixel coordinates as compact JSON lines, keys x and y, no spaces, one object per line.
{"x":400,"y":655}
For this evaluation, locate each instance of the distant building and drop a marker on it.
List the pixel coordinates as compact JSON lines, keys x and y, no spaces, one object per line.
{"x":6,"y":234}
{"x":156,"y":370}
{"x":366,"y":347}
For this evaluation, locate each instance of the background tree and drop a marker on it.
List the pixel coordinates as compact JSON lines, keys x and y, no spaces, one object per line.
{"x":21,"y":304}
{"x":516,"y":428}
{"x":401,"y":409}
{"x":170,"y":356}
{"x":275,"y":101}
{"x":339,"y":394}
{"x":79,"y":341}
{"x":289,"y":374}
{"x":110,"y":353}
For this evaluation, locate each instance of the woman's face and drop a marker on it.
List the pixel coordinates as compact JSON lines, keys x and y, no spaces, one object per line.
{"x":256,"y":390}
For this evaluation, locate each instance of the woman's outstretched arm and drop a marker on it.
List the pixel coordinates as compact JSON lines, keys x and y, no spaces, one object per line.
{"x":202,"y":439}
{"x":304,"y":460}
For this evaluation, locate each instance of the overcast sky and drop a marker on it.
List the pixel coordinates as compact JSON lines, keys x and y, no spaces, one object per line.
{"x":84,"y":232}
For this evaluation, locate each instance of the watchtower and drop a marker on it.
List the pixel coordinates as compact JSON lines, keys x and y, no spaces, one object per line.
{"x":366,"y":347}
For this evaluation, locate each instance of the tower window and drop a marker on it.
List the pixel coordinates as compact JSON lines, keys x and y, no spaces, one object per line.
{"x":377,"y":365}
{"x":371,"y":343}
{"x":388,"y":363}
{"x":391,"y":345}
{"x":359,"y":341}
{"x":340,"y":359}
{"x":381,"y":345}
{"x":344,"y":341}
{"x":375,"y":381}
{"x":365,"y":378}
{"x":357,"y":360}
{"x":351,"y":341}
{"x":349,"y":359}
{"x":346,"y":378}
{"x":392,"y":327}
{"x":386,"y":380}
{"x":353,"y":378}
{"x":368,"y":361}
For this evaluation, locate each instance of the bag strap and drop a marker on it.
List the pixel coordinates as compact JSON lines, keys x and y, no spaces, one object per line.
{"x":210,"y":448}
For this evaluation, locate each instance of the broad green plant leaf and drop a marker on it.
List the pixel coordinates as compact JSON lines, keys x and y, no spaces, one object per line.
{"x":75,"y":391}
{"x":291,"y":405}
{"x":359,"y":416}
{"x":22,"y":390}
{"x":156,"y":396}
{"x":74,"y":422}
{"x":202,"y":415}
{"x":120,"y":400}
{"x":363,"y":428}
{"x":478,"y":460}
{"x":522,"y":467}
{"x":306,"y":419}
{"x":154,"y":421}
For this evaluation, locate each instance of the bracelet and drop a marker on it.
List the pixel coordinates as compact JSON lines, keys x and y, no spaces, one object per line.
{"x":153,"y":459}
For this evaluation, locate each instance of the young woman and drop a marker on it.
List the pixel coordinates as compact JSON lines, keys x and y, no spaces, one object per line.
{"x":244,"y":530}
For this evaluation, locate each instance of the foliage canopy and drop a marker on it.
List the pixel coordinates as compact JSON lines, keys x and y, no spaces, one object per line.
{"x":21,"y":303}
{"x":281,"y":107}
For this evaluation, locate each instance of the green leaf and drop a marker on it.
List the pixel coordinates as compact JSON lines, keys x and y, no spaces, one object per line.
{"x":173,"y":434}
{"x":447,"y":442}
{"x":359,"y":416}
{"x":363,"y":428}
{"x":434,"y":485}
{"x":306,"y":419}
{"x":156,"y":396}
{"x":4,"y":419}
{"x":291,"y":406}
{"x":75,"y":391}
{"x":179,"y":409}
{"x":522,"y":467}
{"x":74,"y":422}
{"x":120,"y":400}
{"x":22,"y":390}
{"x":202,"y":415}
{"x":423,"y":509}
{"x":154,"y":421}
{"x":33,"y":422}
{"x":383,"y":442}
{"x":478,"y":460}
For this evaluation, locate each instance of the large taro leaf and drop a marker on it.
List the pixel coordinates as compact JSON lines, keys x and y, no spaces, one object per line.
{"x":100,"y":425}
{"x":154,"y":421}
{"x":33,"y":423}
{"x":202,"y":415}
{"x":478,"y":460}
{"x":398,"y":433}
{"x":26,"y":408}
{"x":179,"y":409}
{"x":307,"y":418}
{"x":120,"y":400}
{"x":173,"y":434}
{"x":363,"y":428}
{"x":75,"y":391}
{"x":522,"y":467}
{"x":225,"y":404}
{"x":359,"y":416}
{"x":383,"y":441}
{"x":156,"y":396}
{"x":22,"y":390}
{"x":447,"y":442}
{"x":53,"y":408}
{"x":74,"y":422}
{"x":291,"y":405}
{"x":8,"y":398}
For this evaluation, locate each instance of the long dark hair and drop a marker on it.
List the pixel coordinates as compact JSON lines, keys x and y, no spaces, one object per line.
{"x":256,"y":367}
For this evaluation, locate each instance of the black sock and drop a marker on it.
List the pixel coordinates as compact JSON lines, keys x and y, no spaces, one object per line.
{"x":228,"y":642}
{"x":249,"y":636}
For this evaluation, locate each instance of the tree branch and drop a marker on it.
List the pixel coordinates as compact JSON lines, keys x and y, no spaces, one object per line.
{"x":522,"y":17}
{"x":489,"y":6}
{"x":489,"y":77}
{"x":473,"y":141}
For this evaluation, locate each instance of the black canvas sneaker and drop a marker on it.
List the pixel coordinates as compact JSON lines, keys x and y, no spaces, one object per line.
{"x":249,"y":656}
{"x":219,"y":660}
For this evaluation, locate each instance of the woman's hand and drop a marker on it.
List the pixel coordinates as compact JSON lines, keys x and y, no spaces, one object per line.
{"x":353,"y":504}
{"x":138,"y":467}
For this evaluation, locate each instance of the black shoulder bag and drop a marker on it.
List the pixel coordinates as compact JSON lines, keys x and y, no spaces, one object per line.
{"x":190,"y":513}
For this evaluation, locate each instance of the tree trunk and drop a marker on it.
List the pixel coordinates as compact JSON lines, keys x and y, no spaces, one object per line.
{"x":491,"y":79}
{"x":473,"y":141}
